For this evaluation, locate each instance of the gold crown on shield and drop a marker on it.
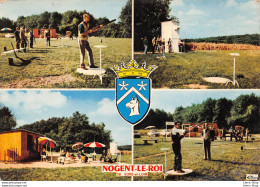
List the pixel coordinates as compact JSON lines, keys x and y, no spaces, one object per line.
{"x":132,"y":69}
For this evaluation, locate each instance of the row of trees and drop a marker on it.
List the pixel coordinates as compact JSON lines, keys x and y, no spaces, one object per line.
{"x":244,"y":111}
{"x":65,"y":130}
{"x":252,"y":39}
{"x":69,"y":130}
{"x":69,"y":21}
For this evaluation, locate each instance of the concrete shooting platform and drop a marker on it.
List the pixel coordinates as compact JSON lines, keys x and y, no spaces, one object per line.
{"x":186,"y":171}
{"x":91,"y":71}
{"x":220,"y":80}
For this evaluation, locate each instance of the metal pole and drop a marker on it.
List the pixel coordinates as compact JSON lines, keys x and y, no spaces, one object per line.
{"x":132,"y":29}
{"x":100,"y":67}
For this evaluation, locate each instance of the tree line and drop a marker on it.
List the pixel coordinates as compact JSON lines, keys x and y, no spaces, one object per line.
{"x":244,"y":111}
{"x":69,"y":21}
{"x":253,"y":39}
{"x":64,"y":130}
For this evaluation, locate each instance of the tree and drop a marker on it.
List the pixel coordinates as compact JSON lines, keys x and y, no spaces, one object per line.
{"x":222,"y":112}
{"x":126,"y":20}
{"x":245,"y":112}
{"x":7,"y":120}
{"x":67,"y":131}
{"x":148,"y":17}
{"x":207,"y":112}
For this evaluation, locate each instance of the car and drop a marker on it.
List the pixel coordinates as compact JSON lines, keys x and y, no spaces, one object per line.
{"x":137,"y":134}
{"x":153,"y":133}
{"x":9,"y":35}
{"x":165,"y":133}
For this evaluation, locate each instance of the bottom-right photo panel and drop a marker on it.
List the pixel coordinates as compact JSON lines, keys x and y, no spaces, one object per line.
{"x":200,"y":135}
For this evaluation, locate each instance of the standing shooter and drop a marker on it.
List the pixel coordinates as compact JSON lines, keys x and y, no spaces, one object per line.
{"x":83,"y":41}
{"x":207,"y":141}
{"x":176,"y":136}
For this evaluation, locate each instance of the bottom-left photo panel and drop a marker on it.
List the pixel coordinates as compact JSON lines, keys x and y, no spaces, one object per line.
{"x":62,"y":135}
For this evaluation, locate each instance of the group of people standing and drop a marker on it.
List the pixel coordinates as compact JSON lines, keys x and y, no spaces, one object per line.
{"x":21,"y":38}
{"x":158,"y":45}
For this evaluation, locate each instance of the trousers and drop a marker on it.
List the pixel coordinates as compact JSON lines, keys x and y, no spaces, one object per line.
{"x":84,"y":45}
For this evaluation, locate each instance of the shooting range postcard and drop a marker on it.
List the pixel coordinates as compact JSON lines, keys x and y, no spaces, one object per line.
{"x":129,"y":90}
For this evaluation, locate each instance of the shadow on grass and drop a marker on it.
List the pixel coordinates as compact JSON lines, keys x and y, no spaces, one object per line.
{"x":237,"y":163}
{"x":25,"y":62}
{"x":144,"y":144}
{"x":197,"y":176}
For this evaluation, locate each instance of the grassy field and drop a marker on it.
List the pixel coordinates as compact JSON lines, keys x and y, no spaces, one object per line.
{"x":62,"y":58}
{"x":228,"y":162}
{"x":87,"y":173}
{"x":186,"y":69}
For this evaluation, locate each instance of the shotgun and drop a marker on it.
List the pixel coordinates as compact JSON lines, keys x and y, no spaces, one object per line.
{"x":98,"y":27}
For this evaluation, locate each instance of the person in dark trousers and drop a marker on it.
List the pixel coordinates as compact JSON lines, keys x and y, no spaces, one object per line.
{"x":176,"y":147}
{"x":23,"y":39}
{"x":48,"y":38}
{"x":207,"y":142}
{"x":176,"y":136}
{"x":31,"y":37}
{"x":83,"y":41}
{"x":145,"y":42}
{"x":17,"y":38}
{"x":154,"y":44}
{"x":231,"y":131}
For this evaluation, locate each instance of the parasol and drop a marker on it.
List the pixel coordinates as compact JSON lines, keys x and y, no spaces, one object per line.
{"x":46,"y":140}
{"x":94,"y":144}
{"x":77,"y":145}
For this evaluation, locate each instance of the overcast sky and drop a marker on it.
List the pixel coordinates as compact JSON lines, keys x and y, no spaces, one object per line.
{"x":205,"y":18}
{"x":29,"y":106}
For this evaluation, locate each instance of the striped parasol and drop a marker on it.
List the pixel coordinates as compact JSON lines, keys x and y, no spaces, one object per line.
{"x":46,"y":140}
{"x":94,"y":144}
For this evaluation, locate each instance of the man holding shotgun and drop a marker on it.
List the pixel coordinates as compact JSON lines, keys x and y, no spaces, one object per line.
{"x":83,"y":41}
{"x":176,"y":136}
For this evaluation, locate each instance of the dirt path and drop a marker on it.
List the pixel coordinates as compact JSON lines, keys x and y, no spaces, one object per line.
{"x":40,"y":82}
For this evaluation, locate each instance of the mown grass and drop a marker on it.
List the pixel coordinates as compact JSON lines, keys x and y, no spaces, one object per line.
{"x":180,"y":70}
{"x":59,"y":174}
{"x":86,"y":173}
{"x":61,"y":58}
{"x":228,"y":162}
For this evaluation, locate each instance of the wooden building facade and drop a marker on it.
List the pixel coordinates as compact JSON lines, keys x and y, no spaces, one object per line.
{"x":40,"y":33}
{"x":19,"y":145}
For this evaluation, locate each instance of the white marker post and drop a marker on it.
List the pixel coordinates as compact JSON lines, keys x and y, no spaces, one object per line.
{"x":165,"y":159}
{"x":234,"y":71}
{"x":100,"y":47}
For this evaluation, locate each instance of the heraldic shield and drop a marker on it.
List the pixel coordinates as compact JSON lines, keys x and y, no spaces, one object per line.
{"x":133,"y":98}
{"x":133,"y":87}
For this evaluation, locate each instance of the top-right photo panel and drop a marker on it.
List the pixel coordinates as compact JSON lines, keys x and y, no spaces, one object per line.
{"x":199,"y":44}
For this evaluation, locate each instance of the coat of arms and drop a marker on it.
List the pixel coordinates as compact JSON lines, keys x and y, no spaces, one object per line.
{"x":133,"y":87}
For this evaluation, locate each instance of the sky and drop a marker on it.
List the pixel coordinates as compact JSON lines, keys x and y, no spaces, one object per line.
{"x":206,"y":18}
{"x":12,"y":9}
{"x":29,"y":106}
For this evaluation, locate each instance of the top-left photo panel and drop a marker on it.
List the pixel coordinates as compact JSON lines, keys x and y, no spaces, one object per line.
{"x":63,"y":43}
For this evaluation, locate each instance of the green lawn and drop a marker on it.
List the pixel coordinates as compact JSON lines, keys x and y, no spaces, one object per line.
{"x":59,"y":174}
{"x":86,"y":173}
{"x":183,"y":69}
{"x":63,"y":58}
{"x":229,"y":162}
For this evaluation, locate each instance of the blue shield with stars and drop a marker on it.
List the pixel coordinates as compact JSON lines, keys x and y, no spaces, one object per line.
{"x":133,"y":98}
